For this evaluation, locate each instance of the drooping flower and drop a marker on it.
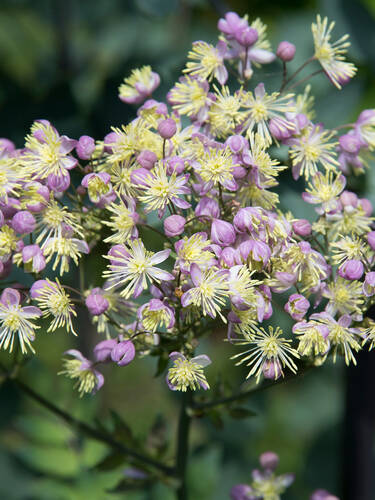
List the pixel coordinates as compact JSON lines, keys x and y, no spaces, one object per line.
{"x":343,"y":339}
{"x":89,"y":380}
{"x":15,"y":321}
{"x":133,"y":266}
{"x":53,"y":300}
{"x":210,"y":291}
{"x":207,"y":62}
{"x":261,"y":107}
{"x":189,"y":97}
{"x":193,"y":250}
{"x":267,"y":347}
{"x":331,"y":55}
{"x":216,"y":166}
{"x":312,"y":338}
{"x":161,"y":190}
{"x":139,"y":85}
{"x":325,"y":190}
{"x":187,"y":373}
{"x":313,"y":146}
{"x":156,"y":314}
{"x":47,"y":153}
{"x":122,"y":222}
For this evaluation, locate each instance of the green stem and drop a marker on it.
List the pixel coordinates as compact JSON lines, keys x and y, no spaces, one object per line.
{"x":303,"y":80}
{"x":183,"y":444}
{"x":91,"y":431}
{"x":311,"y":59}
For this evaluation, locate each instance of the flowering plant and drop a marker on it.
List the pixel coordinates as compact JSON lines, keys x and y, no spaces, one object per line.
{"x":201,"y":170}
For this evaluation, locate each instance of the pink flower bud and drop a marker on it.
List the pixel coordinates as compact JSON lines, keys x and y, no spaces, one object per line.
{"x":269,"y":460}
{"x":236,"y":143}
{"x":174,"y":225}
{"x":102,"y":350}
{"x":85,"y":147}
{"x":286,"y":51}
{"x":349,"y":199}
{"x":23,"y":222}
{"x":302,"y":227}
{"x":167,"y":128}
{"x":351,"y":269}
{"x":58,"y":183}
{"x":222,"y":233}
{"x":123,"y":353}
{"x":228,"y":257}
{"x":147,"y":159}
{"x":279,"y":130}
{"x":96,"y":303}
{"x":247,"y":37}
{"x":350,"y":143}
{"x":297,"y":306}
{"x":241,"y":492}
{"x":176,"y":164}
{"x":207,"y":206}
{"x":6,"y":145}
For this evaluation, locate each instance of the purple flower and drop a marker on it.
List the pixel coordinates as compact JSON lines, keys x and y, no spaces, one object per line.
{"x":369,"y":284}
{"x":302,"y":227}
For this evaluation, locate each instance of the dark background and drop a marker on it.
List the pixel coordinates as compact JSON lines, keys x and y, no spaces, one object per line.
{"x":63,"y":61}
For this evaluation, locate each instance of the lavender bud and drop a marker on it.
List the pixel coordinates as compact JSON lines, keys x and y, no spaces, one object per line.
{"x":222,"y":233}
{"x":147,"y":159}
{"x":174,"y":225}
{"x":352,"y":269}
{"x":269,"y":460}
{"x":247,"y":37}
{"x":23,"y":222}
{"x":350,"y":143}
{"x":207,"y":206}
{"x":167,"y":128}
{"x":85,"y":147}
{"x":286,"y":51}
{"x":302,"y":227}
{"x":240,"y":492}
{"x":102,"y":350}
{"x":96,"y":303}
{"x":123,"y":353}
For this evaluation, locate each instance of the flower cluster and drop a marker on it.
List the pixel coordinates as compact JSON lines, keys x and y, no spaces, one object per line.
{"x":266,"y":485}
{"x":201,"y":169}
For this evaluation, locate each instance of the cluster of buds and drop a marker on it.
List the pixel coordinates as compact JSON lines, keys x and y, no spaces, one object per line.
{"x":200,"y":170}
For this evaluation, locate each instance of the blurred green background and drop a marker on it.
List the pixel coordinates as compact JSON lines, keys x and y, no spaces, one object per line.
{"x":63,"y":61}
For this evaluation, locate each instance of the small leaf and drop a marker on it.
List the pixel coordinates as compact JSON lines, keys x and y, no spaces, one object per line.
{"x":110,"y":462}
{"x":121,"y":429}
{"x":241,"y":412}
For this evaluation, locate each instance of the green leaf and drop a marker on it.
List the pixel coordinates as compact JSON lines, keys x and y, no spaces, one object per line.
{"x":241,"y":412}
{"x":111,"y":461}
{"x":122,"y":431}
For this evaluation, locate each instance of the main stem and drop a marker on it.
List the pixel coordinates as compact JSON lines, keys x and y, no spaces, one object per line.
{"x":183,"y":444}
